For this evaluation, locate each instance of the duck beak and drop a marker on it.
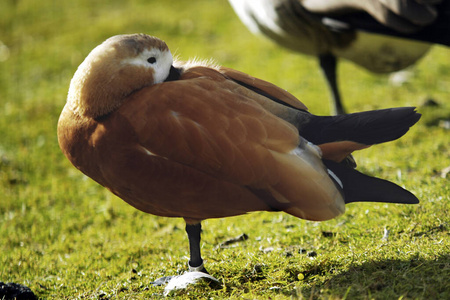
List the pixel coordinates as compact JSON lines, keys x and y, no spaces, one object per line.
{"x":174,"y":74}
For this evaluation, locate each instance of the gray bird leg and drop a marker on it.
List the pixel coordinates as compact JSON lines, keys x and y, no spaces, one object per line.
{"x":328,"y":64}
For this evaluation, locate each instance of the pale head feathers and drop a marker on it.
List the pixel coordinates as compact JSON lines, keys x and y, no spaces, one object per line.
{"x":195,"y":62}
{"x":116,"y":68}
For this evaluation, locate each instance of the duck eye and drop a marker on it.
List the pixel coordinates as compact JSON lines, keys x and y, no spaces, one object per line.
{"x":151,"y":60}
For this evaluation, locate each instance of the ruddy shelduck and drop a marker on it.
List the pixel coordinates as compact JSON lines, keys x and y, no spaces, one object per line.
{"x":198,"y":141}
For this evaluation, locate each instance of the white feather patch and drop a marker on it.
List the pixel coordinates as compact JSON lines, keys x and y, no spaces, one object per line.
{"x":331,"y":173}
{"x":188,"y":278}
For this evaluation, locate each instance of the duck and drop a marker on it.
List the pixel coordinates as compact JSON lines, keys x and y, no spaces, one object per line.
{"x":196,"y":140}
{"x":381,"y":36}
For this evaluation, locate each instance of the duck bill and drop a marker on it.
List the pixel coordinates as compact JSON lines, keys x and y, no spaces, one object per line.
{"x":174,"y":74}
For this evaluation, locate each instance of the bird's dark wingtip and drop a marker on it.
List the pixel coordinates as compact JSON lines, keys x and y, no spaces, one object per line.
{"x":358,"y":187}
{"x":368,"y":127}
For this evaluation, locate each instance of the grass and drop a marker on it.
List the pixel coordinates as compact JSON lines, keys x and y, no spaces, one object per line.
{"x":67,"y":238}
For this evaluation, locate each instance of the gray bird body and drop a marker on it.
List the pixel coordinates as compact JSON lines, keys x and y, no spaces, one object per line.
{"x":356,"y":37}
{"x":287,"y":23}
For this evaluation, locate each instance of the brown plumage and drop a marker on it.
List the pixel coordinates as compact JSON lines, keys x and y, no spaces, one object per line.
{"x":198,"y":141}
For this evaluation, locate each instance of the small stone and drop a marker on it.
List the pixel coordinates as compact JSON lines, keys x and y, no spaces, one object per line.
{"x":400,"y":77}
{"x":311,"y":254}
{"x":257,"y":269}
{"x":267,"y":250}
{"x":240,"y":238}
{"x":444,"y":124}
{"x":288,"y":254}
{"x":328,"y":234}
{"x":11,"y":290}
{"x":430,"y":102}
{"x":386,"y":234}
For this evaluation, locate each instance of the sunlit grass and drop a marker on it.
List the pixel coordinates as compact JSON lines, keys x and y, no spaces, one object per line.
{"x":67,"y":238}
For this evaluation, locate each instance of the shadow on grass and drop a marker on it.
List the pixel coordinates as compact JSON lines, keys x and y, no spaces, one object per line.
{"x":388,"y":279}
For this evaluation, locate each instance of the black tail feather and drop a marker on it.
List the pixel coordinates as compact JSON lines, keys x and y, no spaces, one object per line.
{"x":370,"y":127}
{"x":357,"y":187}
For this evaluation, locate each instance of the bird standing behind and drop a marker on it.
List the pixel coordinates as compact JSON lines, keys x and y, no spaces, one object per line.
{"x":381,"y":36}
{"x":197,"y":141}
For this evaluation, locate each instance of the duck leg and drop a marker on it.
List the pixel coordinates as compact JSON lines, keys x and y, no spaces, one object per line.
{"x":328,"y":64}
{"x":195,"y":261}
{"x":196,"y":269}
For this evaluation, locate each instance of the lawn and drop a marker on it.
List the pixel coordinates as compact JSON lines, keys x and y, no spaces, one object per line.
{"x":66,"y":237}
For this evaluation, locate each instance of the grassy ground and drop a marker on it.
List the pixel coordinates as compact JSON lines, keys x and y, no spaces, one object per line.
{"x":67,"y":238}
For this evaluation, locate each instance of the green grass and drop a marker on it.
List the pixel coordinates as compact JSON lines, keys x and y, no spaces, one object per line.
{"x":67,"y":238}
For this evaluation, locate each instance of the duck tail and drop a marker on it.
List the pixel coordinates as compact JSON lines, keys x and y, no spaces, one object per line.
{"x":358,"y":187}
{"x":369,"y":127}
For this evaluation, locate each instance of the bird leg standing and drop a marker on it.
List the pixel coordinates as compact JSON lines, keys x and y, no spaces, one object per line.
{"x":195,"y":261}
{"x":328,"y":64}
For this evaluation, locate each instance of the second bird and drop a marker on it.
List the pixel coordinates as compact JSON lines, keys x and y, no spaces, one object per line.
{"x":381,"y":36}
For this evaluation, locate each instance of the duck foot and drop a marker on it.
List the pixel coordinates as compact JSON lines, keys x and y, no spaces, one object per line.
{"x":166,"y":279}
{"x":187,"y":279}
{"x":178,"y":282}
